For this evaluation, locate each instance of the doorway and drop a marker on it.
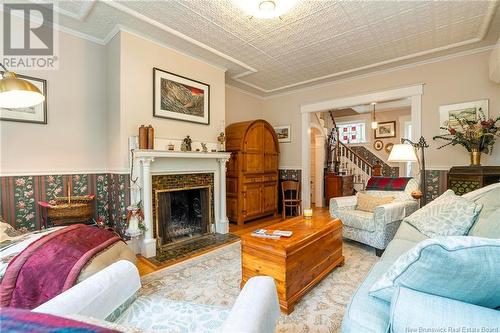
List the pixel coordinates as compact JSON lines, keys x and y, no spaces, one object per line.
{"x":317,"y":151}
{"x":414,"y":93}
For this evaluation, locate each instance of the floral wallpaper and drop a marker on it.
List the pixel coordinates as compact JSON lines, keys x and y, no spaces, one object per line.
{"x":19,"y":196}
{"x":119,"y":199}
{"x":436,"y":183}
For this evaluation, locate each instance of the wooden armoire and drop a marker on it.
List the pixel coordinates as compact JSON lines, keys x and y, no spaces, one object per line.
{"x":252,"y":171}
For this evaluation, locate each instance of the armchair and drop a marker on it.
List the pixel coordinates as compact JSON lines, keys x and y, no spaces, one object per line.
{"x":375,"y":228}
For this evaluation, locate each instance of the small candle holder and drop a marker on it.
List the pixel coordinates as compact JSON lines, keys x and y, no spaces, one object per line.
{"x":308,"y":213}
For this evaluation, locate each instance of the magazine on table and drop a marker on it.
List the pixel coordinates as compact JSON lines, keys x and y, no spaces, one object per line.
{"x":272,"y":234}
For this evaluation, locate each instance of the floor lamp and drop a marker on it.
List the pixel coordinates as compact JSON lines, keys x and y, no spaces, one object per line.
{"x":405,"y":152}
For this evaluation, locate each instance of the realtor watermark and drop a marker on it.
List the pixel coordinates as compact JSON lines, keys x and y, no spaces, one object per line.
{"x":29,"y":40}
{"x":451,"y":329}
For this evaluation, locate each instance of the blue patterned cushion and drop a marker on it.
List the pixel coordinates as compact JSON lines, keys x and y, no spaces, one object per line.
{"x":463,"y":268}
{"x":156,"y":313}
{"x":447,"y":215}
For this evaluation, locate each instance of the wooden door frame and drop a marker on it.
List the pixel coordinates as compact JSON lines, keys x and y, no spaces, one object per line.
{"x":413,"y":92}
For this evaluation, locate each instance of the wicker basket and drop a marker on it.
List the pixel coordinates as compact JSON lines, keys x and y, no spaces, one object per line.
{"x":71,"y":208}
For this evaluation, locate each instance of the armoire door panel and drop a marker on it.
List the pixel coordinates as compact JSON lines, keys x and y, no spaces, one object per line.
{"x":252,"y":199}
{"x":269,"y":197}
{"x":270,"y":162}
{"x":253,"y":139}
{"x":253,"y":163}
{"x":269,"y":142}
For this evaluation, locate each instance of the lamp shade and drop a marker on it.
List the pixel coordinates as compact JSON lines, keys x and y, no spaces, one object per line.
{"x":18,"y":93}
{"x":402,"y":153}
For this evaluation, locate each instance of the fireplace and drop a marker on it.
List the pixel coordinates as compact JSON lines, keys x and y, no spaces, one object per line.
{"x":182,"y":213}
{"x":167,"y":170}
{"x":183,"y":207}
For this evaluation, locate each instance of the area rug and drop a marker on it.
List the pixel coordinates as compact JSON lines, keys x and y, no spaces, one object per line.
{"x":214,"y":279}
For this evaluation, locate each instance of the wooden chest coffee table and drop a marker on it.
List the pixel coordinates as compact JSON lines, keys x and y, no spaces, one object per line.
{"x":296,"y":263}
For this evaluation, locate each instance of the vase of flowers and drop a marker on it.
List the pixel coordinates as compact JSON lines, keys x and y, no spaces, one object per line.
{"x":135,"y":220}
{"x":477,"y":136}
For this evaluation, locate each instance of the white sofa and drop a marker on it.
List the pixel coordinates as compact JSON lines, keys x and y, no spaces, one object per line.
{"x":111,"y":295}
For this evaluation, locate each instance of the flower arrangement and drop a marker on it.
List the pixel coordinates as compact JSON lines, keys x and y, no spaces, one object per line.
{"x":477,"y":136}
{"x":135,"y":218}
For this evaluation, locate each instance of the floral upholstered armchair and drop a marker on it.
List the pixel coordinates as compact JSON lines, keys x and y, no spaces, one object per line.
{"x":376,"y":228}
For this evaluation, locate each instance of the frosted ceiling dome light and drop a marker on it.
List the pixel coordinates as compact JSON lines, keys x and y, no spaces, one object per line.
{"x":266,"y":9}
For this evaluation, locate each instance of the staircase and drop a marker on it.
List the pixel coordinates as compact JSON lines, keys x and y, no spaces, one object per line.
{"x":351,"y":163}
{"x":342,"y":159}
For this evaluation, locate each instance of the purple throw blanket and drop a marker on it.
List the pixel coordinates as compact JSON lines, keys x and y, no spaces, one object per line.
{"x":51,"y":265}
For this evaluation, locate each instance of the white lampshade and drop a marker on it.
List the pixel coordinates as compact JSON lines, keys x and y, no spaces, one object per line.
{"x":402,"y":153}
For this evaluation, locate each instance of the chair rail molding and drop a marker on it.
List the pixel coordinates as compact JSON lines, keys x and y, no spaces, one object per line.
{"x":413,"y":92}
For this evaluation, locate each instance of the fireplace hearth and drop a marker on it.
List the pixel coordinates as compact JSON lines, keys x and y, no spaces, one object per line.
{"x":182,"y":214}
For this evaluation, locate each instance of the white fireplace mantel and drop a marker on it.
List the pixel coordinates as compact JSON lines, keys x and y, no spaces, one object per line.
{"x":144,"y":153}
{"x":161,"y":162}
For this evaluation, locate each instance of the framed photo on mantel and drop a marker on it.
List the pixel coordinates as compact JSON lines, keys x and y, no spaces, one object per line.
{"x":34,"y":114}
{"x":180,"y":98}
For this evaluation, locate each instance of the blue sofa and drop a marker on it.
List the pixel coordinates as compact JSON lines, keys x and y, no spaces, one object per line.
{"x":409,"y":309}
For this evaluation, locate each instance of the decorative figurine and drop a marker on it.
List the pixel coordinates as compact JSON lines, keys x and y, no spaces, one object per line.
{"x":186,"y":144}
{"x":222,"y":141}
{"x":204,"y":147}
{"x":135,"y":220}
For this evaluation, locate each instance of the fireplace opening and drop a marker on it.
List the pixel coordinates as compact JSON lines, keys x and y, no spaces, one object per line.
{"x":182,"y":214}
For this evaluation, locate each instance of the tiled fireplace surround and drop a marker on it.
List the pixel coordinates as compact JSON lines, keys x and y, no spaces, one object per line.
{"x":19,"y":195}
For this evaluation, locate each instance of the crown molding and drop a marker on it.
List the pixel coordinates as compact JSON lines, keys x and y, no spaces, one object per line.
{"x":120,"y":28}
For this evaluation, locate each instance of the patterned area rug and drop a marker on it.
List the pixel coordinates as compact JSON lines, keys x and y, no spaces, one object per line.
{"x":214,"y":279}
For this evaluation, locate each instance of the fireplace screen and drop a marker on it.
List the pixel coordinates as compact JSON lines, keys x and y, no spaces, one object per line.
{"x":182,"y":214}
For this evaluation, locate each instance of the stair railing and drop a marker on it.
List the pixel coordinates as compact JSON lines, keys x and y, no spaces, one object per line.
{"x":356,"y":165}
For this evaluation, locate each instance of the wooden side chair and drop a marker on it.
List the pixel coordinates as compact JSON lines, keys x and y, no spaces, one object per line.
{"x":290,"y":191}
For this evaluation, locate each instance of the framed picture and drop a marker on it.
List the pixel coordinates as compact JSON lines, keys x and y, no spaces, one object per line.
{"x":283,"y":133}
{"x":180,"y":98}
{"x":385,"y":129}
{"x":467,"y":111}
{"x":35,"y":114}
{"x":388,"y":147}
{"x":378,"y":145}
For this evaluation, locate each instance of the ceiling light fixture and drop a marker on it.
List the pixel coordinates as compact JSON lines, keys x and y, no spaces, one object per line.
{"x":17,"y":93}
{"x":374,"y":124}
{"x":266,"y":9}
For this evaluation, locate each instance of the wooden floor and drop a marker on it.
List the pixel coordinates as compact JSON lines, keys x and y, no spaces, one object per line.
{"x":146,"y":267}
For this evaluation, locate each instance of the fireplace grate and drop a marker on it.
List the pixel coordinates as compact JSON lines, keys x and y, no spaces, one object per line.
{"x":182,"y":214}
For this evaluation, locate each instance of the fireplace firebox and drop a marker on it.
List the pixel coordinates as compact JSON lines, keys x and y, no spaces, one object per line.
{"x":182,"y":213}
